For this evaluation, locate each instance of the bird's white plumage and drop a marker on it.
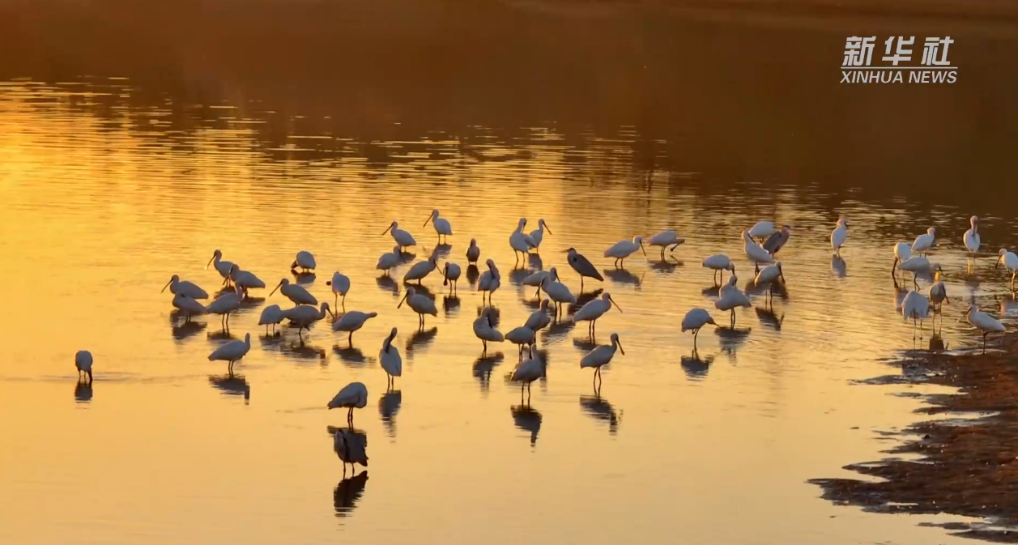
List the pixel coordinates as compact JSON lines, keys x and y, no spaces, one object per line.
{"x":451,"y":272}
{"x":188,"y":305}
{"x":719,"y":262}
{"x":529,"y":370}
{"x":245,"y":279}
{"x":442,"y":225}
{"x":915,"y":306}
{"x":754,"y":251}
{"x":420,"y":303}
{"x":421,"y":269}
{"x":304,"y":260}
{"x":232,"y":351}
{"x":520,"y":241}
{"x":625,"y":248}
{"x":340,"y":284}
{"x":602,"y":354}
{"x":473,"y":252}
{"x":695,"y":319}
{"x":556,"y":290}
{"x":840,"y":234}
{"x":403,"y":238}
{"x":938,"y":291}
{"x":902,"y":251}
{"x":353,"y":396}
{"x":491,"y":279}
{"x":666,"y":238}
{"x":295,"y":293}
{"x":521,"y":335}
{"x":916,"y":264}
{"x":537,"y":235}
{"x":389,"y":260}
{"x":183,"y":287}
{"x":730,"y":296}
{"x":983,"y":321}
{"x":389,"y":356}
{"x":1009,"y":259}
{"x":304,"y":315}
{"x":271,"y":315}
{"x":768,"y":274}
{"x":222,"y":267}
{"x":925,"y":241}
{"x":352,"y":321}
{"x":535,"y":278}
{"x":83,"y":360}
{"x":225,"y":303}
{"x":484,"y":330}
{"x":971,"y":237}
{"x":594,"y":309}
{"x":762,"y":229}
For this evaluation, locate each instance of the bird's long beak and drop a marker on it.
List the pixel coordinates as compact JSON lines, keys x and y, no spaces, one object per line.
{"x":166,"y":286}
{"x":622,"y":349}
{"x":210,"y":262}
{"x":332,"y":314}
{"x":403,"y":299}
{"x":387,"y":229}
{"x":997,"y":264}
{"x":548,"y":228}
{"x":644,"y":249}
{"x":425,"y":222}
{"x":275,"y":288}
{"x":612,"y":299}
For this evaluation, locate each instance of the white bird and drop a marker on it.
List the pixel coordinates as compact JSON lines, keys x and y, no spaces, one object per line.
{"x":303,"y":316}
{"x":768,"y":275}
{"x":232,"y":351}
{"x":451,"y":272}
{"x":537,"y":235}
{"x":1010,"y":261}
{"x":83,"y":362}
{"x":305,"y":261}
{"x":536,"y":278}
{"x":244,"y":279}
{"x":403,"y":238}
{"x":593,"y":310}
{"x":183,"y":287}
{"x":224,"y":305}
{"x":420,"y":303}
{"x":539,"y":319}
{"x":351,"y":447}
{"x":915,"y":306}
{"x":984,"y":322}
{"x":755,"y":252}
{"x":442,"y":226}
{"x":340,"y":287}
{"x":527,"y":372}
{"x":389,"y":260}
{"x":520,"y":242}
{"x":625,"y":248}
{"x":190,"y":307}
{"x":223,"y":267}
{"x":421,"y":269}
{"x":762,"y":229}
{"x":485,"y":331}
{"x":665,"y":239}
{"x":971,"y":237}
{"x":473,"y":252}
{"x":520,"y":336}
{"x":557,"y":291}
{"x":352,"y":396}
{"x":489,"y":282}
{"x":601,"y":355}
{"x":918,"y":265}
{"x":295,"y":293}
{"x":902,"y":253}
{"x":938,"y":296}
{"x":352,"y":321}
{"x":719,"y":263}
{"x":271,"y":315}
{"x":694,"y":320}
{"x":731,"y":297}
{"x":925,"y":241}
{"x":582,"y":266}
{"x":839,"y":235}
{"x":390,"y":358}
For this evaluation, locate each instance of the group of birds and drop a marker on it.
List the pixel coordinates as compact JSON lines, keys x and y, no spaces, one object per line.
{"x":761,"y":243}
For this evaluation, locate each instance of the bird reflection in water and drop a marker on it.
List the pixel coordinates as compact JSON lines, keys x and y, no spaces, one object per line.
{"x":386,"y":283}
{"x":304,"y":278}
{"x":231,"y":385}
{"x":388,"y":406}
{"x":712,"y":292}
{"x":83,"y":392}
{"x":937,"y":343}
{"x":350,"y":356}
{"x":535,"y":261}
{"x":517,"y":275}
{"x":221,"y":335}
{"x":1008,"y":304}
{"x":900,"y":291}
{"x":622,"y":276}
{"x":584,"y":345}
{"x":351,"y":446}
{"x":528,"y":420}
{"x":769,"y":318}
{"x":838,"y":266}
{"x":348,"y":492}
{"x":730,"y":339}
{"x":182,"y":328}
{"x":450,"y":305}
{"x":599,"y":409}
{"x":420,"y":340}
{"x":442,"y":250}
{"x":472,"y":275}
{"x":583,"y":299}
{"x":406,"y":257}
{"x":299,"y":350}
{"x":696,"y":368}
{"x":557,"y":330}
{"x":667,"y":266}
{"x":483,"y":367}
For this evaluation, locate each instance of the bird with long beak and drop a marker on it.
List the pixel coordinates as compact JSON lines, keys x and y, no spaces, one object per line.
{"x":623,"y":249}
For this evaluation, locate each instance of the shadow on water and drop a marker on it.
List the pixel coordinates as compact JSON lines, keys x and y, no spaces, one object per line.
{"x":535,"y":262}
{"x":696,"y":368}
{"x":622,"y":276}
{"x":231,"y":385}
{"x":472,"y":275}
{"x":527,"y":419}
{"x":599,"y":409}
{"x":388,"y":284}
{"x":302,"y":351}
{"x":83,"y":392}
{"x":516,"y":277}
{"x":304,"y":278}
{"x":667,"y":266}
{"x":769,"y":318}
{"x":388,"y":406}
{"x":583,"y":299}
{"x":557,"y":331}
{"x":838,"y":266}
{"x":351,"y":356}
{"x":584,"y":345}
{"x":420,"y":340}
{"x":222,"y":335}
{"x":731,"y":339}
{"x":348,"y":492}
{"x":450,"y":305}
{"x":181,"y":330}
{"x":483,"y":367}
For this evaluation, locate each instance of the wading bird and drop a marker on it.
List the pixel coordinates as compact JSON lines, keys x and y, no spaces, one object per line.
{"x":557,"y":291}
{"x":225,"y":304}
{"x":305,"y":261}
{"x":539,"y":319}
{"x":664,"y":239}
{"x":188,"y":306}
{"x":537,"y":235}
{"x":352,"y":321}
{"x":527,"y":372}
{"x":924,"y":242}
{"x":755,"y":252}
{"x":245,"y":280}
{"x":421,"y":269}
{"x":731,"y":297}
{"x":625,"y":248}
{"x":520,"y":242}
{"x":442,"y":226}
{"x":351,"y":448}
{"x":232,"y":351}
{"x":295,"y":293}
{"x":271,"y":315}
{"x":352,"y":396}
{"x":694,"y":320}
{"x":839,"y":235}
{"x":420,"y":303}
{"x":183,"y":287}
{"x":340,"y":287}
{"x":390,"y":359}
{"x":83,"y":362}
{"x":582,"y":266}
{"x":762,"y":229}
{"x":971,"y":237}
{"x":777,"y":241}
{"x":601,"y":356}
{"x":593,"y":310}
{"x":485,"y":331}
{"x":451,"y":272}
{"x":403,"y":238}
{"x":473,"y":252}
{"x":984,"y":322}
{"x":719,"y":263}
{"x":520,"y":336}
{"x":489,"y":282}
{"x":303,"y":316}
{"x":902,"y":253}
{"x":222,"y":267}
{"x":917,"y":307}
{"x":389,"y":260}
{"x":1010,"y":261}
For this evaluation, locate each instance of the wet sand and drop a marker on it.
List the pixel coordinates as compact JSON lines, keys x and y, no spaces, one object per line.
{"x":965,"y":469}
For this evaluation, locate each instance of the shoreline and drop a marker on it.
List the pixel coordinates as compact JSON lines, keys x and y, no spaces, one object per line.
{"x":964,"y":469}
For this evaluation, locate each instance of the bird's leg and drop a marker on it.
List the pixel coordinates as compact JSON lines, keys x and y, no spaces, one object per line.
{"x":344,"y":303}
{"x":485,"y":351}
{"x":581,"y":283}
{"x":663,"y":252}
{"x":984,"y":342}
{"x":538,"y":294}
{"x":695,"y":335}
{"x":349,"y":339}
{"x":349,"y":418}
{"x":733,"y":318}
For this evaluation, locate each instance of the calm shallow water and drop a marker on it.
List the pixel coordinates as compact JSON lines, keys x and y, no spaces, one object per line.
{"x":102,"y":201}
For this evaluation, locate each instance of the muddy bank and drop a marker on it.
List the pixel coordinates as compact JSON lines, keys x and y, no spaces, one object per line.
{"x":964,"y":469}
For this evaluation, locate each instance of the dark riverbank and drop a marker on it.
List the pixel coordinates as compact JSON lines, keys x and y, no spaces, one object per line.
{"x":965,"y":469}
